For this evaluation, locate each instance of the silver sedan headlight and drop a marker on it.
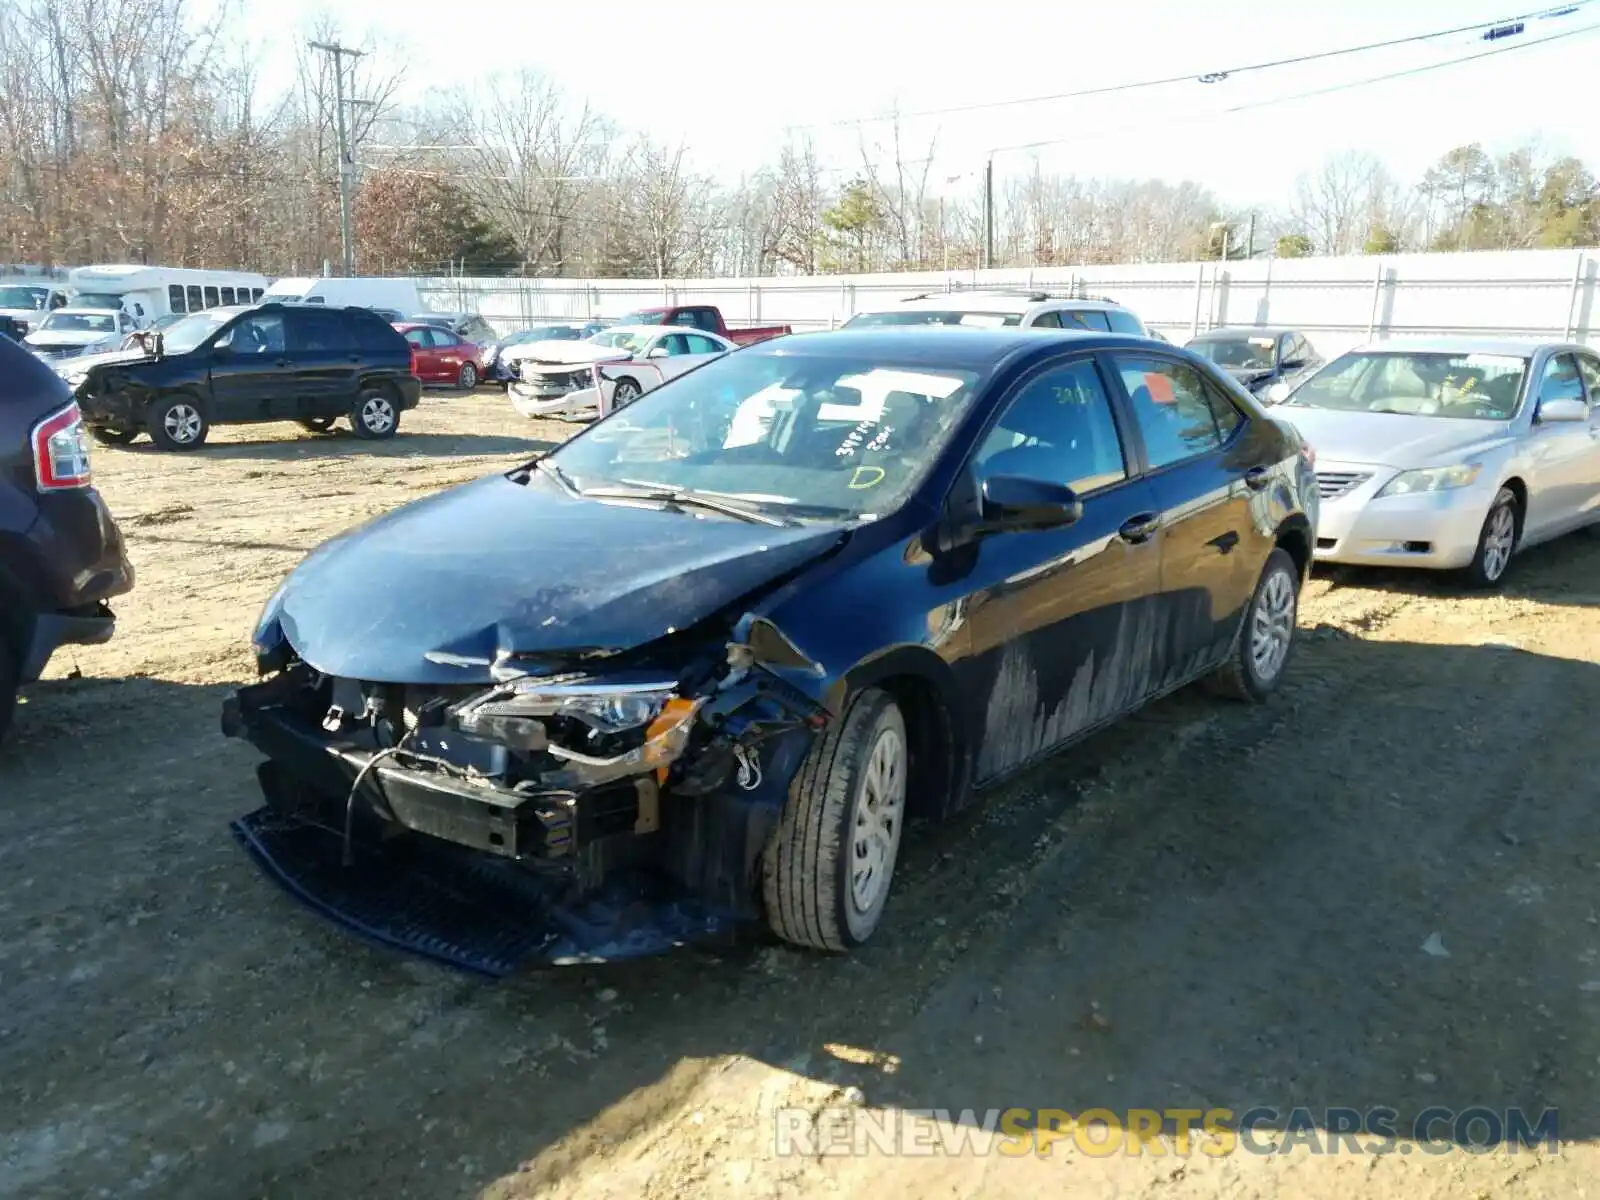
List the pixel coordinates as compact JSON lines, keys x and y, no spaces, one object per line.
{"x":1432,"y":479}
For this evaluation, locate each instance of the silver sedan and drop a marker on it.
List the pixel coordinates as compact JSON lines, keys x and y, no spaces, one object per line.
{"x":1451,"y":453}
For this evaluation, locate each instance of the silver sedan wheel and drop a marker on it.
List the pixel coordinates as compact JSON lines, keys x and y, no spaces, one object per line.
{"x":377,"y":414}
{"x":1272,"y":626}
{"x":182,"y":423}
{"x":875,"y":831}
{"x":1498,"y":539}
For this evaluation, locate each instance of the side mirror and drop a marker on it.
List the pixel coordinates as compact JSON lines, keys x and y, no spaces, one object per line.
{"x":1564,"y":408}
{"x":1015,"y":502}
{"x":1277,"y":393}
{"x":222,"y":351}
{"x":657,"y":352}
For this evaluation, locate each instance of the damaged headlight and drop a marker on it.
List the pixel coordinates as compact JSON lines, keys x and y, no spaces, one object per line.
{"x":635,"y":725}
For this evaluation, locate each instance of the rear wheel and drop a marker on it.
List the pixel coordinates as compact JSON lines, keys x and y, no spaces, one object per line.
{"x":830,"y":862}
{"x":1257,"y":664}
{"x":178,"y":424}
{"x":468,"y":376}
{"x":375,"y":415}
{"x":1497,"y":541}
{"x":108,"y":436}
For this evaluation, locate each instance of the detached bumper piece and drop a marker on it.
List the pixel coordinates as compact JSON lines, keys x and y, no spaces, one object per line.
{"x":485,"y":916}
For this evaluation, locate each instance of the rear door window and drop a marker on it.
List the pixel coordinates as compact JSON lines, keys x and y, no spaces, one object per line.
{"x":1084,"y":318}
{"x":319,"y":331}
{"x":374,"y":335}
{"x":1047,"y":320}
{"x":1589,"y":368}
{"x":1122,"y":321}
{"x":1179,"y":416}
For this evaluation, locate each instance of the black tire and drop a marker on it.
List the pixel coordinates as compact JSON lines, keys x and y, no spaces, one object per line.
{"x":108,"y":436}
{"x":625,"y":393}
{"x":375,"y":414}
{"x":467,"y":377}
{"x":318,"y":424}
{"x":9,"y":682}
{"x":1497,"y":541}
{"x":178,"y":423}
{"x":1261,"y":653}
{"x":807,"y":868}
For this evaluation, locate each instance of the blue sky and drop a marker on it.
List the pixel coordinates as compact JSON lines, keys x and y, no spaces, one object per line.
{"x":726,"y":80}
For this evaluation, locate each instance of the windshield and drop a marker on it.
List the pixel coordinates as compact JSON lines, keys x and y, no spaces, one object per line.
{"x":823,"y":436}
{"x":1246,"y":353}
{"x":545,"y":333}
{"x":981,"y":320}
{"x":24,"y":297}
{"x":621,"y":339}
{"x":1478,"y":386}
{"x":81,"y":322}
{"x":645,"y":316}
{"x":97,"y":300}
{"x":183,"y":336}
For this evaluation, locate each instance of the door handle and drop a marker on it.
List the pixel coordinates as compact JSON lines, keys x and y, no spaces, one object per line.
{"x":1257,"y":478}
{"x":284,"y":362}
{"x":1140,"y":528}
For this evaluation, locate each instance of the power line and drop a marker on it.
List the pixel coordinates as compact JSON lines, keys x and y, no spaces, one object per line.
{"x":1338,"y":87}
{"x":1209,"y":76}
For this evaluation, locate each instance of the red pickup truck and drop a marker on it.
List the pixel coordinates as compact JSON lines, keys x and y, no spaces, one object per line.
{"x":707,"y":317}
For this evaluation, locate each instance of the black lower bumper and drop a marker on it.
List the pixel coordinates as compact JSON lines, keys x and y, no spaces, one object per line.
{"x":51,"y":631}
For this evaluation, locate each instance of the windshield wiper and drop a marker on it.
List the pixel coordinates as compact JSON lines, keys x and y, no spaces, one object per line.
{"x":686,"y":498}
{"x":555,"y":472}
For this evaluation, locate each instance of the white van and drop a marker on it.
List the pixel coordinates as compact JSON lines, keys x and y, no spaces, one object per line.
{"x":152,"y":292}
{"x":398,"y":296}
{"x":30,"y":300}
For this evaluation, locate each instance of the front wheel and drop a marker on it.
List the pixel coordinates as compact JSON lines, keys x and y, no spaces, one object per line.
{"x":1497,"y":541}
{"x":1256,"y":666}
{"x":624,"y":394}
{"x":829,"y":864}
{"x":468,"y":376}
{"x":178,"y":424}
{"x":375,"y":415}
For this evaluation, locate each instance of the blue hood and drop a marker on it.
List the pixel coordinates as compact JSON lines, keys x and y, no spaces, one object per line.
{"x":433,"y":592}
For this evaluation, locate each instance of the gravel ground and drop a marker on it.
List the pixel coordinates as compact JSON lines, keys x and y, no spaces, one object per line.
{"x":1209,"y":906}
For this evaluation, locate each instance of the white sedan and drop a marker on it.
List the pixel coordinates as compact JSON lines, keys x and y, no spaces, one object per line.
{"x":609,"y":370}
{"x":1451,"y":453}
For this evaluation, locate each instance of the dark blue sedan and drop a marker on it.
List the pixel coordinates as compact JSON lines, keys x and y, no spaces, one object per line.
{"x":731,"y":637}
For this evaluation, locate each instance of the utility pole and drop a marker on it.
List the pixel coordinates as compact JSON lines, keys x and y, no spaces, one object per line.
{"x":1250,"y":236}
{"x":346,"y":163}
{"x":988,"y":213}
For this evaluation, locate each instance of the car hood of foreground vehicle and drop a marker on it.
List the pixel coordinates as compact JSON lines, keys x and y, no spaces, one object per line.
{"x":437,"y":591}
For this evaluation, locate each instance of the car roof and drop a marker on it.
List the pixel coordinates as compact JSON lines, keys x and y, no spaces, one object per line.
{"x":965,"y":348}
{"x":993,"y":302}
{"x":1513,"y":347}
{"x":1237,"y":331}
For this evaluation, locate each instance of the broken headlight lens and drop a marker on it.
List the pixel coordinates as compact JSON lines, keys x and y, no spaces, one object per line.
{"x":605,"y":706}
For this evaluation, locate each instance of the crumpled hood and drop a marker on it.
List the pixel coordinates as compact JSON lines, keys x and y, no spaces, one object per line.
{"x":433,"y":592}
{"x":83,"y":362}
{"x":1392,"y":439}
{"x":563,"y":352}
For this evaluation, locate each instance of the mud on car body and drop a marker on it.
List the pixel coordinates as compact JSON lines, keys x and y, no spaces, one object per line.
{"x":735,"y":634}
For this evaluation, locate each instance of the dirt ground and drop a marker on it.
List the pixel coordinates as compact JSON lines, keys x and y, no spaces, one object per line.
{"x":1211,"y":906}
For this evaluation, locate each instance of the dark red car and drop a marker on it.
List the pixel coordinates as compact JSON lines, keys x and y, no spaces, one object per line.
{"x":441,"y":356}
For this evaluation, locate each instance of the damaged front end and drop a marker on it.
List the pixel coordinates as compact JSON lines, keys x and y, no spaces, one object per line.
{"x":566,"y":785}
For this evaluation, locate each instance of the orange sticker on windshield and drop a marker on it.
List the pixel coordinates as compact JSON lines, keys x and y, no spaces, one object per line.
{"x":1160,"y":387}
{"x":873,"y":477}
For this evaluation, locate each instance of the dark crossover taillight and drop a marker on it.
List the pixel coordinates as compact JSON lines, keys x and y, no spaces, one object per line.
{"x":61,"y":451}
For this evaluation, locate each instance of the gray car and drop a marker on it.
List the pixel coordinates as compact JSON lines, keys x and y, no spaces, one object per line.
{"x":1451,"y":453}
{"x":1270,"y":361}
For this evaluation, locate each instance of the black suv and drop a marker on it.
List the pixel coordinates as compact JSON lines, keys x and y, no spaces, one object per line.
{"x":61,"y":553}
{"x":270,"y":362}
